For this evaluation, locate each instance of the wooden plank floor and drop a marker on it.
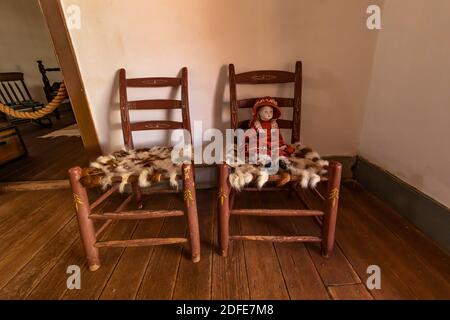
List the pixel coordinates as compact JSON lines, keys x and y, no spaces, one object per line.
{"x":39,"y":240}
{"x":48,"y":159}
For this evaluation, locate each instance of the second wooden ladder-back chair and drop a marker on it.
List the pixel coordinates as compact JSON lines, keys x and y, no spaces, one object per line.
{"x":226,"y":194}
{"x":86,"y":219}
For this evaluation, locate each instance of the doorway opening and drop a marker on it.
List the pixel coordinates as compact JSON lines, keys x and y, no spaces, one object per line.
{"x":40,"y":150}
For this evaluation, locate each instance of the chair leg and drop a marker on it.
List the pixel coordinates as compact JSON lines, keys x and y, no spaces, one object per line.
{"x":86,"y":225}
{"x":223,"y":209}
{"x":137,"y":194}
{"x":291,"y":190}
{"x":331,"y":206}
{"x":190,"y":201}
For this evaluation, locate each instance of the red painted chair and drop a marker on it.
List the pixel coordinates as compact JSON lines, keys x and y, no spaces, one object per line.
{"x":83,"y":208}
{"x":226,"y":194}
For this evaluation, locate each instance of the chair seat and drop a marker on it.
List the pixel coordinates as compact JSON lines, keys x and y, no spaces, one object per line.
{"x":145,"y":166}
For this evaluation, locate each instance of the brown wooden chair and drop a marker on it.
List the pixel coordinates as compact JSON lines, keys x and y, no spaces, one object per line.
{"x":50,"y":89}
{"x":86,"y":219}
{"x":226,"y":194}
{"x":15,"y":94}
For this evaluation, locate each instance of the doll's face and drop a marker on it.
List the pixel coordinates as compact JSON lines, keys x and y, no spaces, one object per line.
{"x":265,"y":113}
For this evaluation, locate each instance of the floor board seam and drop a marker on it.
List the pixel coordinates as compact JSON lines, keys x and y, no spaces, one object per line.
{"x":36,"y":252}
{"x":51,"y":267}
{"x":136,"y":296}
{"x":117,"y":263}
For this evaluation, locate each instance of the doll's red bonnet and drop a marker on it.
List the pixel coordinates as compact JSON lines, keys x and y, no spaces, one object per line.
{"x":266,"y":101}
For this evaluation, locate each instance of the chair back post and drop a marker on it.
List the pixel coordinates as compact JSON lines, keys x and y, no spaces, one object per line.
{"x":43,"y":72}
{"x":124,"y":112}
{"x":233,"y":97}
{"x":185,"y":102}
{"x":296,"y":116}
{"x":29,"y":97}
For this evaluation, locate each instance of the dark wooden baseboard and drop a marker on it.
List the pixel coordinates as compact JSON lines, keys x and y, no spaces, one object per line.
{"x":34,"y":185}
{"x":427,"y":214}
{"x":348,"y":162}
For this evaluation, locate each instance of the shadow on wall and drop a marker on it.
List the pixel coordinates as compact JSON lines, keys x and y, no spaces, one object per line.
{"x":221,"y":112}
{"x":114,"y":113}
{"x":318,"y":115}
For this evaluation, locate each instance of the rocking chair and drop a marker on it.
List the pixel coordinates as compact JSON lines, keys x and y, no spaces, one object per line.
{"x":226,"y":194}
{"x":83,"y":209}
{"x":50,"y":89}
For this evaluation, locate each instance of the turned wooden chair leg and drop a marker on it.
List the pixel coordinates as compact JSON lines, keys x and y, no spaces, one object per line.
{"x":331,"y":206}
{"x":86,"y":225}
{"x":137,"y":194}
{"x":190,"y":201}
{"x":223,"y":209}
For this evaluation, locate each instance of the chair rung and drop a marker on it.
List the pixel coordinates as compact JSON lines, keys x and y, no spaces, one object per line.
{"x":265,"y":189}
{"x":140,"y":242}
{"x":276,"y":177}
{"x":104,"y":196}
{"x":277,"y":238}
{"x":277,"y":212}
{"x":135,"y":215}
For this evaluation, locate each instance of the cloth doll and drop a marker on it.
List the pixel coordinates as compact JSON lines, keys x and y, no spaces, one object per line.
{"x":265,"y":113}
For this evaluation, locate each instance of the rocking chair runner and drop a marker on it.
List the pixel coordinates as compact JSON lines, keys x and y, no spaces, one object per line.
{"x":86,"y":218}
{"x":226,"y":194}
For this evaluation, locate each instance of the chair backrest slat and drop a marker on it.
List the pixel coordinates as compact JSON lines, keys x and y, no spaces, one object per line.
{"x":9,"y":98}
{"x":265,"y":76}
{"x":282,"y":102}
{"x":22,"y":96}
{"x":26,"y":90}
{"x":11,"y":76}
{"x":2,"y":96}
{"x":125,"y":106}
{"x":11,"y":88}
{"x":156,"y":125}
{"x":154,"y":82}
{"x":268,"y":77}
{"x":154,"y":104}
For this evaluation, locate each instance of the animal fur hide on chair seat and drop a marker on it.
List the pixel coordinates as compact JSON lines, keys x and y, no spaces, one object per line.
{"x":149,"y":164}
{"x":304,"y":163}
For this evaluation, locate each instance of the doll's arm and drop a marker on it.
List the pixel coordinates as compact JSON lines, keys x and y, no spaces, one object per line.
{"x":283,"y":146}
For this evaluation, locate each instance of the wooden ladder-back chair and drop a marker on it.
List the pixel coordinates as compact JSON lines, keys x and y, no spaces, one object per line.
{"x":226,"y":194}
{"x":86,"y":218}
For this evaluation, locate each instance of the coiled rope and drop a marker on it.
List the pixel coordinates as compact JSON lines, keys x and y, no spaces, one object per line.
{"x":55,"y":103}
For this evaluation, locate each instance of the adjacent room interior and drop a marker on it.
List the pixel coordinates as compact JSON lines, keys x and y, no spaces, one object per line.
{"x":38,"y":148}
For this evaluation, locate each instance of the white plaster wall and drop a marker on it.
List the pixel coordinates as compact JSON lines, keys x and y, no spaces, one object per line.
{"x":407,"y":121}
{"x":157,"y":38}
